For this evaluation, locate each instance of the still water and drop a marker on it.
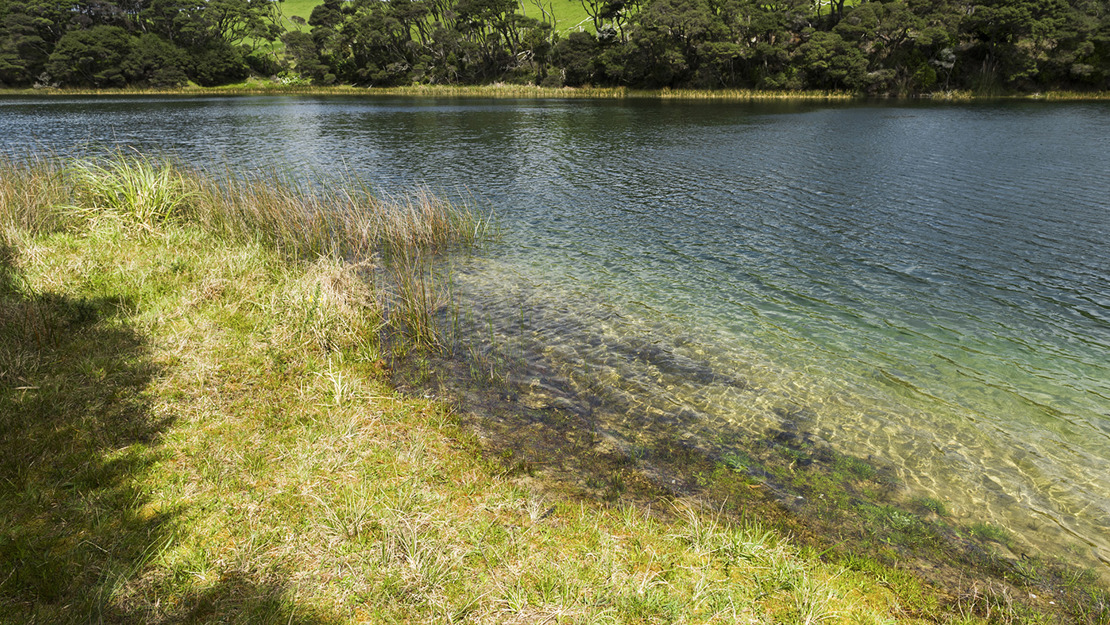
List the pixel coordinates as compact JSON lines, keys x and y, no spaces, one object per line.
{"x":924,"y":285}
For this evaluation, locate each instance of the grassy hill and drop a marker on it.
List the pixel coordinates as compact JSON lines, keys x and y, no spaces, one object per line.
{"x":197,"y":425}
{"x":297,"y":8}
{"x":569,"y":14}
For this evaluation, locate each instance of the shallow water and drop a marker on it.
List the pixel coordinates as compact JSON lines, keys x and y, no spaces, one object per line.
{"x":925,"y":285}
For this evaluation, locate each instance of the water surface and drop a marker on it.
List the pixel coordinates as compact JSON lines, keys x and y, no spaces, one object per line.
{"x":924,"y":285}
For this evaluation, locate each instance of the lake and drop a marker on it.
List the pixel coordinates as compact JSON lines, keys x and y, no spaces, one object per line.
{"x":923,"y":285}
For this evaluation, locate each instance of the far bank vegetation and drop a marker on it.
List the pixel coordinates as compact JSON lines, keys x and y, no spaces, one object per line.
{"x":895,"y":47}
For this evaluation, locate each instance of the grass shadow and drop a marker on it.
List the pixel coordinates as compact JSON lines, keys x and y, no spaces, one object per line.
{"x":76,"y":434}
{"x":79,"y":437}
{"x":240,"y":597}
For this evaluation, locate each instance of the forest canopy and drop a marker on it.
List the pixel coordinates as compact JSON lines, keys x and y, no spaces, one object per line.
{"x":866,"y":46}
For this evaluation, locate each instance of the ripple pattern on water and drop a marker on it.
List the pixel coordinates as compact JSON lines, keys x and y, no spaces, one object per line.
{"x":928,"y":285}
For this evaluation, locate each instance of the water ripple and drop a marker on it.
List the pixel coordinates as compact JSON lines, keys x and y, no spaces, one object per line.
{"x":929,"y":282}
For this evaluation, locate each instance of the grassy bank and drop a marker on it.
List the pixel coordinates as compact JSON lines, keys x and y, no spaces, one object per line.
{"x":197,"y":424}
{"x":260,"y":86}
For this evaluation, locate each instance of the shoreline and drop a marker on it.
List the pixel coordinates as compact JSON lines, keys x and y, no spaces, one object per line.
{"x":211,"y":412}
{"x":508,"y":91}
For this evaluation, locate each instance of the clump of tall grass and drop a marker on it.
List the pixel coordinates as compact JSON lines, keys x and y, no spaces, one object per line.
{"x":397,"y":235}
{"x":141,"y":191}
{"x":341,"y":219}
{"x":413,"y":298}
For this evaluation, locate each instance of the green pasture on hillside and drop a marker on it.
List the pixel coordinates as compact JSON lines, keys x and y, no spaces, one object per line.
{"x":297,"y":8}
{"x":569,"y":14}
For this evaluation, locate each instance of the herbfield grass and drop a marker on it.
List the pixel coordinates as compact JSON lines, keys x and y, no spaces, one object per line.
{"x":197,"y":426}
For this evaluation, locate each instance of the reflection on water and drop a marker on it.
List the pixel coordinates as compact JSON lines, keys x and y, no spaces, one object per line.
{"x":925,"y":285}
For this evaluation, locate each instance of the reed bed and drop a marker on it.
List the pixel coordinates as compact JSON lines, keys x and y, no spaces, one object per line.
{"x":1071,"y":95}
{"x":32,"y":194}
{"x":501,"y":90}
{"x":341,"y":218}
{"x":495,"y":90}
{"x":394,"y":239}
{"x":250,"y":87}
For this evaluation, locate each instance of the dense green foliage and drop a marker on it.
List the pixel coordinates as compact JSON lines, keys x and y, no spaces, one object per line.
{"x":870,"y":46}
{"x":110,"y":43}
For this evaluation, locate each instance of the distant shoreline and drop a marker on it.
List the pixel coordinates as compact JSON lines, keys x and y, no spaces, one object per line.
{"x":263,"y":87}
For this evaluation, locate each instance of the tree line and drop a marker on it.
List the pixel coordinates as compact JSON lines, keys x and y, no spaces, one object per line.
{"x":866,"y":46}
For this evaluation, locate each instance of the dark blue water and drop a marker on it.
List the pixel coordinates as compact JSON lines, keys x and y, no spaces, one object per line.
{"x":930,"y":282}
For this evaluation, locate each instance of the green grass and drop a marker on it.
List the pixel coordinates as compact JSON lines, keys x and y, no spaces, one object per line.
{"x":297,"y":8}
{"x":568,"y":14}
{"x":196,"y":425}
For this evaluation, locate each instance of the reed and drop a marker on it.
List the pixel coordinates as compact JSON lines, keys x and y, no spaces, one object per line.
{"x":412,"y":298}
{"x":399,"y":235}
{"x":343,"y":219}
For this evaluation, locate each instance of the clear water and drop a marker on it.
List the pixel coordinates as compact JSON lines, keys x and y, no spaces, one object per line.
{"x":925,"y":285}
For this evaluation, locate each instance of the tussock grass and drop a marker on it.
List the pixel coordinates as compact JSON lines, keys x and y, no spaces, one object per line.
{"x":196,"y":425}
{"x":389,"y":239}
{"x":145,"y":193}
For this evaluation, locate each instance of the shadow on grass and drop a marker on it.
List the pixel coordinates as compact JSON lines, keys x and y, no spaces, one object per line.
{"x":239,"y":597}
{"x":78,"y":436}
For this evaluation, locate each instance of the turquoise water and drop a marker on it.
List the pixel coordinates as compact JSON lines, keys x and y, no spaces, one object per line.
{"x":924,"y":285}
